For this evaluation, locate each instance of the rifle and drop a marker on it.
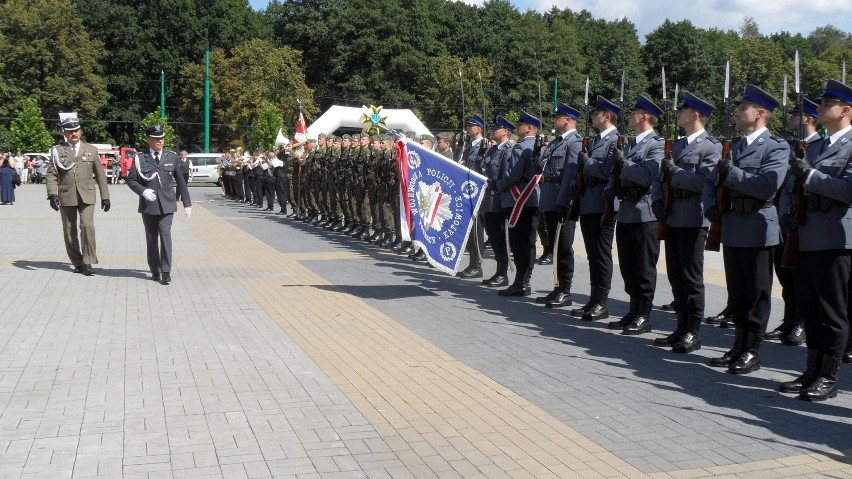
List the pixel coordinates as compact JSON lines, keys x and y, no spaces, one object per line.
{"x":463,"y":137}
{"x":483,"y":144}
{"x":574,"y":211}
{"x":608,"y":218}
{"x":786,"y":111}
{"x":539,"y":139}
{"x":723,"y":203}
{"x":790,"y":257}
{"x":668,"y":194}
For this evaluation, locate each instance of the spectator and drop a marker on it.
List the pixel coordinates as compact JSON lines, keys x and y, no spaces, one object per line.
{"x":7,"y":175}
{"x":25,"y":170}
{"x":37,"y":165}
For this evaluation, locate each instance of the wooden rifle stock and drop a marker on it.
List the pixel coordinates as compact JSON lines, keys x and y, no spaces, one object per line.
{"x":790,"y":257}
{"x":574,"y":212}
{"x":663,"y":227}
{"x":723,"y":204}
{"x":608,"y":218}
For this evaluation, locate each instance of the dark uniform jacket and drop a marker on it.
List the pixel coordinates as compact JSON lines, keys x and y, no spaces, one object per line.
{"x":163,"y":184}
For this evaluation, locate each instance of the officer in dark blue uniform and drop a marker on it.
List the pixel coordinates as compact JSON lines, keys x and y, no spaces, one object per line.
{"x":688,"y":170}
{"x":518,"y":188}
{"x":825,"y":244}
{"x":791,"y":331}
{"x":492,"y":210}
{"x":753,"y":172}
{"x":561,"y":156}
{"x":597,"y":238}
{"x":471,"y":158}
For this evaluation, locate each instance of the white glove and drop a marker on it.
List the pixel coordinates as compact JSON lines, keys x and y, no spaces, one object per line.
{"x":188,"y":211}
{"x":149,"y":195}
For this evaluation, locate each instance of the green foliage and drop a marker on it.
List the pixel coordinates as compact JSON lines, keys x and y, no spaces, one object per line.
{"x":28,"y":130}
{"x":154,"y":118}
{"x":443,"y":95}
{"x":268,"y":121}
{"x":252,"y":74}
{"x":49,"y":56}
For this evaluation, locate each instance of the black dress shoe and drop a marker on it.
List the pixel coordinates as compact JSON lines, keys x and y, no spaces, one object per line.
{"x":579,"y":312}
{"x":515,"y":290}
{"x":688,"y":343}
{"x":471,"y":272}
{"x":496,"y":281}
{"x":795,"y":337}
{"x":546,"y":299}
{"x":776,"y":334}
{"x":667,"y":341}
{"x":78,"y":269}
{"x":406,"y":249}
{"x":847,"y":358}
{"x":420,"y":255}
{"x":87,"y":270}
{"x":640,"y":325}
{"x":667,"y":307}
{"x":387,"y":241}
{"x":727,"y":322}
{"x":597,"y":312}
{"x":561,"y":300}
{"x":748,"y":362}
{"x":717,"y":319}
{"x":623,"y":322}
{"x":155,"y":277}
{"x":167,"y":278}
{"x":807,"y":377}
{"x":545,"y":259}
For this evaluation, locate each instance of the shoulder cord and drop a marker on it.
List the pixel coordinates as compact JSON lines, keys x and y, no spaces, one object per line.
{"x":59,"y":166}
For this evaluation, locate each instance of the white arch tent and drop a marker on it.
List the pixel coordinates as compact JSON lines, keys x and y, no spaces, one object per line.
{"x":347,"y":116}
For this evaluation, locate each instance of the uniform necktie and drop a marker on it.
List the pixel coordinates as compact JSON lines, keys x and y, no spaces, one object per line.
{"x":157,"y":157}
{"x":74,"y":150}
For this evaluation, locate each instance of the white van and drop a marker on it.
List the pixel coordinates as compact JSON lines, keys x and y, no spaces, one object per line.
{"x":205,"y":167}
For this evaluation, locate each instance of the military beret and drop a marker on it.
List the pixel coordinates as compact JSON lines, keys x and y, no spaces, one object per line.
{"x":501,"y":122}
{"x":356,"y":136}
{"x":322,"y":135}
{"x":835,"y":90}
{"x":427,"y":137}
{"x":645,"y":103}
{"x":445,"y":135}
{"x":347,"y":136}
{"x":155,"y":131}
{"x":70,"y":124}
{"x":756,"y":95}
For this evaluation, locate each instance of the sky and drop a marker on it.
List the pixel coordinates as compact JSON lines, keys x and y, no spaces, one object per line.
{"x":772,"y":15}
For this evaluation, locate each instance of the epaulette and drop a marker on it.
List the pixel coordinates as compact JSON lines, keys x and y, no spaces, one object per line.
{"x":713,"y":139}
{"x":778,"y":139}
{"x":659,"y":138}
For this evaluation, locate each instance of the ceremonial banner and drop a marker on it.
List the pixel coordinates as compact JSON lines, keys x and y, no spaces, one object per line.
{"x":438,"y":201}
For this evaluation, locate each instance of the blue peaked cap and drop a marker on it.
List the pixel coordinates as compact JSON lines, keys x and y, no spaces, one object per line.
{"x":808,"y":106}
{"x":755,"y":94}
{"x":500,"y":122}
{"x":646,"y":104}
{"x":525,"y":117}
{"x":834,"y":90}
{"x":478,"y":121}
{"x":697,"y":104}
{"x":603,"y":104}
{"x":563,"y":109}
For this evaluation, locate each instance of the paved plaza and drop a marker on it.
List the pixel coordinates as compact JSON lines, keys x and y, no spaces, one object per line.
{"x":284,"y":350}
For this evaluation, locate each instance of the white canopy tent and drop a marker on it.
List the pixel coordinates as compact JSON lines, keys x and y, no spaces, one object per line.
{"x":345,"y":116}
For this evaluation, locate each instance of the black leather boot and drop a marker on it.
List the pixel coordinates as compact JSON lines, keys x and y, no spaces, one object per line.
{"x":627,"y":318}
{"x":825,"y":385}
{"x":807,"y":377}
{"x":734,"y":353}
{"x":749,"y":360}
{"x":690,"y":341}
{"x":674,"y":337}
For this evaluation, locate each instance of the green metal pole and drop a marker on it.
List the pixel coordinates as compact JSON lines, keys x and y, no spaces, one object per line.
{"x":555,"y":92}
{"x":207,"y":101}
{"x":162,"y":94}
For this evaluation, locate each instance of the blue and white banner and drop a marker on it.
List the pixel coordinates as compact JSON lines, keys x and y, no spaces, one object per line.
{"x":438,"y":200}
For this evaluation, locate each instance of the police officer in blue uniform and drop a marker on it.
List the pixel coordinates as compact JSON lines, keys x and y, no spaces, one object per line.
{"x":791,"y":331}
{"x":561,"y":155}
{"x":492,"y":210}
{"x":471,"y":158}
{"x":519,"y":193}
{"x":597,"y":239}
{"x":550,"y":167}
{"x":688,"y":171}
{"x":825,"y":244}
{"x":153,"y":177}
{"x":636,"y":229}
{"x":753,"y":172}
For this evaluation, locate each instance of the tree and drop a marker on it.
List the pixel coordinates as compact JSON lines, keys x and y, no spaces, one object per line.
{"x":49,"y":56}
{"x":151,"y":119}
{"x":28,"y":130}
{"x":268,"y":121}
{"x":442,"y":98}
{"x":749,"y":30}
{"x":823,"y":38}
{"x":242,"y":80}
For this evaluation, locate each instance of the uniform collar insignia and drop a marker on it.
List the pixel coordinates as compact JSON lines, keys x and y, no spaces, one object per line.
{"x":698,"y":140}
{"x":760,"y":141}
{"x":843,"y":141}
{"x":644,"y":140}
